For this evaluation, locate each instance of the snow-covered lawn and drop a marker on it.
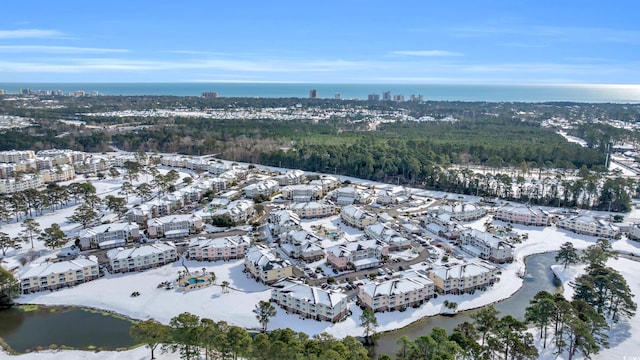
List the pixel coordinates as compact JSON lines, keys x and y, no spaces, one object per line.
{"x":624,"y":337}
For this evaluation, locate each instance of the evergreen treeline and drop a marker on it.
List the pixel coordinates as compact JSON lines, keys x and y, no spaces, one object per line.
{"x":191,"y":336}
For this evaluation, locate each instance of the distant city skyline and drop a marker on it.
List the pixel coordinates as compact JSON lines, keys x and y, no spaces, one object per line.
{"x":464,"y":42}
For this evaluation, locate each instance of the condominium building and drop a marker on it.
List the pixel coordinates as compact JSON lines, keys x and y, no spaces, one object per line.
{"x":462,"y":212}
{"x":397,"y":195}
{"x":24,"y":182}
{"x":63,"y":156}
{"x":142,"y":257}
{"x":589,"y":225}
{"x":292,"y":177}
{"x":356,"y":217}
{"x":14,"y":156}
{"x":264,"y":188}
{"x":411,"y":289}
{"x":524,"y":215}
{"x":52,"y":276}
{"x":313,"y":209}
{"x":301,"y":244}
{"x":174,"y":161}
{"x":462,"y":278}
{"x":58,"y":173}
{"x":92,"y":165}
{"x":358,"y":255}
{"x":108,"y":235}
{"x":486,"y":246}
{"x":395,"y":241}
{"x":238,"y":211}
{"x":283,"y":221}
{"x":301,"y":193}
{"x":265,"y":267}
{"x":214,"y":249}
{"x":347,"y":195}
{"x":174,"y":226}
{"x":326,"y":183}
{"x":310,"y":302}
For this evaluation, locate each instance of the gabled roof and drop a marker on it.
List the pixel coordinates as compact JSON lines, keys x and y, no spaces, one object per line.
{"x":314,"y":295}
{"x":42,"y":270}
{"x":145,"y":250}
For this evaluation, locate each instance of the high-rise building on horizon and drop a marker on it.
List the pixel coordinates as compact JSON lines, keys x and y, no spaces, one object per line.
{"x":313,"y":94}
{"x":386,"y":96}
{"x":209,"y":94}
{"x":373,"y":97}
{"x":337,"y":96}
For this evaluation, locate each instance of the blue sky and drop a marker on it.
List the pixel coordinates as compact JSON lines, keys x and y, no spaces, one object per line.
{"x":486,"y":42}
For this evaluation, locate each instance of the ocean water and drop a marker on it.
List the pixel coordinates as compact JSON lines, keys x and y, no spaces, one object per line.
{"x":491,"y":93}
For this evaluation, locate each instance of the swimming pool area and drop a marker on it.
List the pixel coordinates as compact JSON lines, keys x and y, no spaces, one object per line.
{"x":194,"y":280}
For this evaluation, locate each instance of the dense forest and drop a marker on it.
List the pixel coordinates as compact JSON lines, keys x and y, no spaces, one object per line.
{"x":417,"y":153}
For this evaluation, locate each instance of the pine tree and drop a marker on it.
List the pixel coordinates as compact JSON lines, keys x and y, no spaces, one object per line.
{"x":485,"y":321}
{"x":53,"y":236}
{"x":151,"y":333}
{"x":264,"y":310}
{"x":186,"y":330}
{"x":7,"y":242}
{"x":84,"y":215}
{"x":9,"y":287}
{"x":567,"y":255}
{"x":369,"y":321}
{"x":30,"y":228}
{"x":540,"y":312}
{"x":607,"y":291}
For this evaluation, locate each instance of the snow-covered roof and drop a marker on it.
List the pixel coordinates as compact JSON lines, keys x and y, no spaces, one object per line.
{"x":228,"y":241}
{"x":145,"y":250}
{"x":107,"y":228}
{"x":461,"y":271}
{"x":263,"y":258}
{"x":61,"y":267}
{"x":310,"y":293}
{"x":410,"y":281}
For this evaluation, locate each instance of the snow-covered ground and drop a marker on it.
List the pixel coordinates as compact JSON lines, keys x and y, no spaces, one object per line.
{"x":624,"y":337}
{"x":140,"y":353}
{"x":112,"y":292}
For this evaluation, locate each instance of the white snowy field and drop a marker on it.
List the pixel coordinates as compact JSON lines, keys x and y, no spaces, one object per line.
{"x":140,"y":353}
{"x":112,"y":292}
{"x":624,"y":337}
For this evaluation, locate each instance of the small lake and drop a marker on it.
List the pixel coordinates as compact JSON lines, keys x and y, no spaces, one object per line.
{"x":538,"y":277}
{"x":29,"y":327}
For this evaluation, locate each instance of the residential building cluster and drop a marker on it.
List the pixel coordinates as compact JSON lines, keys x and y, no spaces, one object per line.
{"x":231,"y":191}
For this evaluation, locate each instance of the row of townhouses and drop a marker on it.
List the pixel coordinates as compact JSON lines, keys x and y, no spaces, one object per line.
{"x":463,"y":278}
{"x":214,"y":249}
{"x":411,"y":289}
{"x":313,"y":209}
{"x":589,"y":225}
{"x":142,"y":257}
{"x":52,"y":276}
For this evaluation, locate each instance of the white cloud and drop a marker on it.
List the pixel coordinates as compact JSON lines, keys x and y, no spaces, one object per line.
{"x":29,"y":33}
{"x":58,"y":49}
{"x":426,"y":53}
{"x":549,"y":34}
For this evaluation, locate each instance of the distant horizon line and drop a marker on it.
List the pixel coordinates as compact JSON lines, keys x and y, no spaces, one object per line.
{"x":320,"y":83}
